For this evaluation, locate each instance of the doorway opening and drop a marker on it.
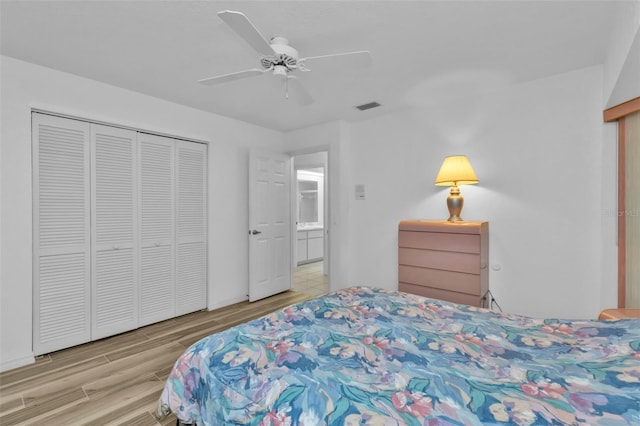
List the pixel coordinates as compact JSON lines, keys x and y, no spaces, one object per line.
{"x":310,"y":204}
{"x":310,"y":279}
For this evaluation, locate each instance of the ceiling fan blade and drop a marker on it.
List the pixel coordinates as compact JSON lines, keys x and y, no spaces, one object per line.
{"x":360,"y":59}
{"x":239,"y":22}
{"x":298,"y":91}
{"x":231,"y":77}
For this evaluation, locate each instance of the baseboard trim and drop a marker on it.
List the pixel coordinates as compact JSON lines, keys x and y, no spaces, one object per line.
{"x":227,"y":302}
{"x":18,"y":362}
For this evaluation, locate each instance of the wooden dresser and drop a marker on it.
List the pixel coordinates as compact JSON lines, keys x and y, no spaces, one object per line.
{"x":444,"y":260}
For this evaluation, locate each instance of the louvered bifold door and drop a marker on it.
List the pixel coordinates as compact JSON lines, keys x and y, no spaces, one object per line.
{"x":156,"y":158}
{"x":61,"y":233}
{"x":114,"y":248}
{"x":191,"y":227}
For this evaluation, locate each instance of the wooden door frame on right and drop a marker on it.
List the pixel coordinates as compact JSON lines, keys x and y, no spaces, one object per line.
{"x":618,"y":114}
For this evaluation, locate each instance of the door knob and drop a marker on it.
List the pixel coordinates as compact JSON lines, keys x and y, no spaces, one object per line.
{"x":255,"y":232}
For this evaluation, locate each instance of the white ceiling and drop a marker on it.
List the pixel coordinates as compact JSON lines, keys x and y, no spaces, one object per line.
{"x":423,"y":52}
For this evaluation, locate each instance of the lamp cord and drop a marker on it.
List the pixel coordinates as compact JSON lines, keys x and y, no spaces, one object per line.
{"x":492,"y":301}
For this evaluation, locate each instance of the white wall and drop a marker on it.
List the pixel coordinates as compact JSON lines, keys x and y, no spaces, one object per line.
{"x":622,"y":64}
{"x":25,"y":85}
{"x":546,"y":165}
{"x":537,"y":149}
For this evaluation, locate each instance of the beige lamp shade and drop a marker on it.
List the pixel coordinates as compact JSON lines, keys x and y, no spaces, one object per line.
{"x":456,"y":170}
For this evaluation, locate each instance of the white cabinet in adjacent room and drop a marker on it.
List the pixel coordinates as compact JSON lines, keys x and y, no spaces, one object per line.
{"x":315,"y":244}
{"x":310,"y":246}
{"x":301,"y":248}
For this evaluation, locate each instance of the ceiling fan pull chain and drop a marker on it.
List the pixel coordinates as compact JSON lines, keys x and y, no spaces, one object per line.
{"x":286,"y":87}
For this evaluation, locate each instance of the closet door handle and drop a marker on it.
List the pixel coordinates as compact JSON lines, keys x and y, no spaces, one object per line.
{"x":255,"y":232}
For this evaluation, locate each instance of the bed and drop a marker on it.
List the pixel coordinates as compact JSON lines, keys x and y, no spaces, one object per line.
{"x":367,"y":356}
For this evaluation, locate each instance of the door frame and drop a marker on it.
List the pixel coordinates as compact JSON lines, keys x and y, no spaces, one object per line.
{"x":617,"y":114}
{"x":327,"y":206}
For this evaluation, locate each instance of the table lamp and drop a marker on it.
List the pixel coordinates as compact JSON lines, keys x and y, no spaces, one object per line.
{"x":455,"y":170}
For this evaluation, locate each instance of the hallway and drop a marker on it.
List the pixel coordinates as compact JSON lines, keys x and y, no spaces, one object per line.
{"x":309,"y":279}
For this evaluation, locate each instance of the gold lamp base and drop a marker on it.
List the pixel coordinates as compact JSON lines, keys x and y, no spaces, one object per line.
{"x":454,"y":204}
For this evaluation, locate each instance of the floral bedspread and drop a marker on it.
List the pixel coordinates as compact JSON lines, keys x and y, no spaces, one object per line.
{"x":364,"y":356}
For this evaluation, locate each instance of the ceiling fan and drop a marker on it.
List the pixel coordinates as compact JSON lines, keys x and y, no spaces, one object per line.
{"x":281,"y":59}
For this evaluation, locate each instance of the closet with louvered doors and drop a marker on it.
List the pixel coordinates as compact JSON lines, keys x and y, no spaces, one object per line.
{"x":119,"y":230}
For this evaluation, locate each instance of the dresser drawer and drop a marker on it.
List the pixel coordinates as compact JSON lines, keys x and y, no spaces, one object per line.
{"x":436,"y":293}
{"x":449,"y":261}
{"x":463,"y":243}
{"x":436,"y":278}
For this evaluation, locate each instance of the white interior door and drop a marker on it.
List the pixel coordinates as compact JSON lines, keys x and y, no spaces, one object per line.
{"x":269,"y":224}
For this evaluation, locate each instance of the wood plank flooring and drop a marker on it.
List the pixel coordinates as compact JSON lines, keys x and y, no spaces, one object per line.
{"x":117,"y":380}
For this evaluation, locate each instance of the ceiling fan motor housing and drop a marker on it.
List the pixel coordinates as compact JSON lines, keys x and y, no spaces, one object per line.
{"x":285,"y":55}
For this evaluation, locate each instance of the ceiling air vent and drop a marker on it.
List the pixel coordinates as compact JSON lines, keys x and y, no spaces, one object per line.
{"x":368,"y":106}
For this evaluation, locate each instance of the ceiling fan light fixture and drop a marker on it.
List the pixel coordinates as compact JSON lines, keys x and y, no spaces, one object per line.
{"x":280,"y":70}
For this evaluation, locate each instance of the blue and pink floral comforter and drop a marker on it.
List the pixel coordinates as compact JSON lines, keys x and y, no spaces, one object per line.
{"x":365,"y":356}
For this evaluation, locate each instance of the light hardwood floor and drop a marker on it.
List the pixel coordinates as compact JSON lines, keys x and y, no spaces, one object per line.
{"x":117,"y":380}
